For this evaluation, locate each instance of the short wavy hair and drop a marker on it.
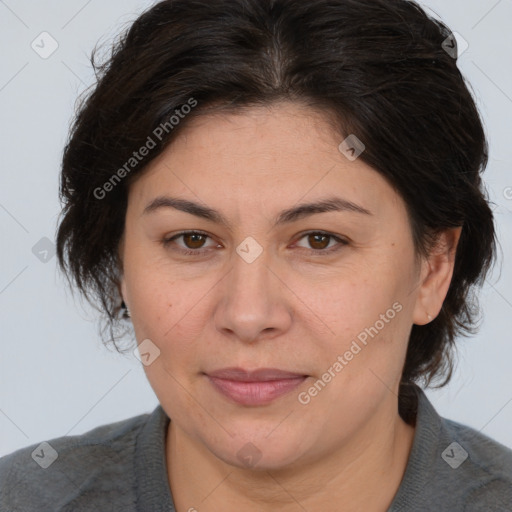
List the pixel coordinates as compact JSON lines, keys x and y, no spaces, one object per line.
{"x":379,"y":69}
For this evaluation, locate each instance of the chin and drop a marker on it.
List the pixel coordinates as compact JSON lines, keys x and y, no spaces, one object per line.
{"x":258,"y":452}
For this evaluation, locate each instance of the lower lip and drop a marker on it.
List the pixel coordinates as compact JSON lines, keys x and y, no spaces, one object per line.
{"x":255,"y":393}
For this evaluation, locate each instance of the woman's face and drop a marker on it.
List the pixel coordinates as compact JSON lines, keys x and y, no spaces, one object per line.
{"x":326,"y":294}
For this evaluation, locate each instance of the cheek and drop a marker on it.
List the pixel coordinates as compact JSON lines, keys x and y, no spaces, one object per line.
{"x":367,"y":323}
{"x":168,"y":312}
{"x":351,"y":303}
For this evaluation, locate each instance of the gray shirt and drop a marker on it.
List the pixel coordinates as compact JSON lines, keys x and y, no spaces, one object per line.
{"x":122,"y":467}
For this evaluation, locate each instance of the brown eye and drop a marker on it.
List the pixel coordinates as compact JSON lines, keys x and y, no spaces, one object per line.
{"x":194,"y":240}
{"x":188,"y":242}
{"x":322,"y":243}
{"x":318,"y":241}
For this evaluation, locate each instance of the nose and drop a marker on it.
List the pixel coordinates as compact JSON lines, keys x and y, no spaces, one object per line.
{"x":254,"y":302}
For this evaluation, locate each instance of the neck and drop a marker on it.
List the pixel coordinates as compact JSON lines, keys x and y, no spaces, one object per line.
{"x":362,"y":474}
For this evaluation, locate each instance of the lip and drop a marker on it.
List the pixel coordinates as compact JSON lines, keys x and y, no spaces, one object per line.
{"x":256,"y":387}
{"x":258,"y":375}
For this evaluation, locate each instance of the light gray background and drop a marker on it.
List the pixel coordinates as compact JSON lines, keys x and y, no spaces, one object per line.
{"x":56,"y":378}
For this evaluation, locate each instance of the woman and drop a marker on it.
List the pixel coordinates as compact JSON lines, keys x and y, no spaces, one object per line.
{"x":284,"y":200}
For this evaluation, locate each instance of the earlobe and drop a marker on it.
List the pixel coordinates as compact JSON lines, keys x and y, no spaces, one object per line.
{"x":436,"y":275}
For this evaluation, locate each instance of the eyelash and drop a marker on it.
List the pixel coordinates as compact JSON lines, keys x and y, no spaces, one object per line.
{"x":199,"y":252}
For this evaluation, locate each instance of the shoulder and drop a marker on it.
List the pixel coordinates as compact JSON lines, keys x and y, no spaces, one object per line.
{"x":452,"y":466}
{"x":484,"y":464}
{"x":51,"y":474}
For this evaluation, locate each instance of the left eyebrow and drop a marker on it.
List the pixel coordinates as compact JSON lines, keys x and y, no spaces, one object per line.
{"x":332,"y":204}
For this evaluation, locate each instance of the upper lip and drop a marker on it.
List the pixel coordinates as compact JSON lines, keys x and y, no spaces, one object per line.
{"x":258,"y":375}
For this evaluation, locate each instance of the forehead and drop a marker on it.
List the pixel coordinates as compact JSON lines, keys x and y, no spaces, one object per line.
{"x":267,"y":157}
{"x":284,"y":132}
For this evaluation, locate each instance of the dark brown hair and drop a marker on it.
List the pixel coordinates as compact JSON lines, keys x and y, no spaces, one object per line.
{"x":379,"y":67}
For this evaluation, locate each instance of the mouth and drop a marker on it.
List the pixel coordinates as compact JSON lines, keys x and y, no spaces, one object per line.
{"x":257,"y":387}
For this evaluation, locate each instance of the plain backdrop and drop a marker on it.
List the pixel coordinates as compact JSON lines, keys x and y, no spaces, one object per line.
{"x":56,"y":378}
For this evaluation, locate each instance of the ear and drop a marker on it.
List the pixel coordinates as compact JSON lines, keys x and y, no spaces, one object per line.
{"x":435,"y":276}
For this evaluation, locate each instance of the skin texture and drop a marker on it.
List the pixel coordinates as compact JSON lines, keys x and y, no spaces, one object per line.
{"x":287,"y":309}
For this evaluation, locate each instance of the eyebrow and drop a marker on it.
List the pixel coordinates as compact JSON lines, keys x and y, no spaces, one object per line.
{"x":330,"y":204}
